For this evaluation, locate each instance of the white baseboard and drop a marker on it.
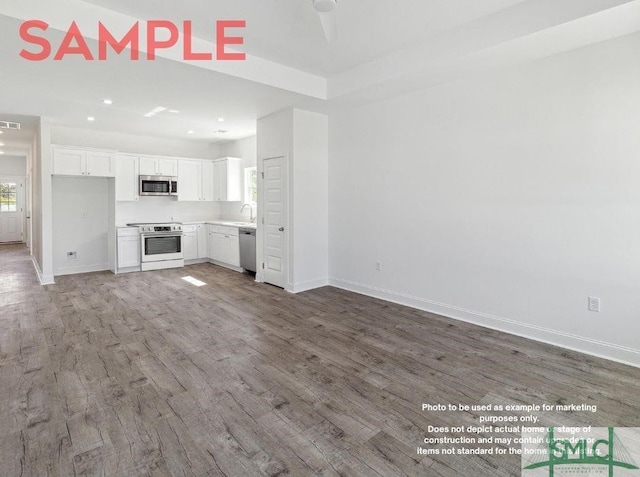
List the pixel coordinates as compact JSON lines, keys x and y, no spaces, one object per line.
{"x":43,"y":279}
{"x":101,"y":267}
{"x":307,"y":285}
{"x":226,"y":265}
{"x":196,"y":261}
{"x":581,"y":344}
{"x":120,"y":271}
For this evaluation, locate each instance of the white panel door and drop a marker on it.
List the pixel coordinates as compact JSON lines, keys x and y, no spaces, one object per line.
{"x":274,"y":221}
{"x":11,"y":209}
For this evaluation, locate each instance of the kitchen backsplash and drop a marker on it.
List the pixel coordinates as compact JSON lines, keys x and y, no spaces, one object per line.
{"x":164,"y":209}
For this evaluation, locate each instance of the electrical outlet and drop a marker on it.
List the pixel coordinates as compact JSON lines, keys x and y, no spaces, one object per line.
{"x":72,"y":255}
{"x":379,"y":266}
{"x":594,"y":304}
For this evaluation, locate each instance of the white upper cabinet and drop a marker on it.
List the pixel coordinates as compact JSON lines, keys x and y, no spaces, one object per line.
{"x":207,"y":181}
{"x":227,"y":179}
{"x":189,"y":180}
{"x":167,"y":167}
{"x":158,"y":166}
{"x":80,"y":162}
{"x":127,"y":178}
{"x":195,"y":180}
{"x":100,"y":164}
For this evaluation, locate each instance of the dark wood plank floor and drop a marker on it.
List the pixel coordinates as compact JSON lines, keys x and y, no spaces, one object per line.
{"x":145,"y":374}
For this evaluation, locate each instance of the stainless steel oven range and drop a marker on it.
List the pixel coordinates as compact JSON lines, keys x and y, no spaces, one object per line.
{"x":161,"y":246}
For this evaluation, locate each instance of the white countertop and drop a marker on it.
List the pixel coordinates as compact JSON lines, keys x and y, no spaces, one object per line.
{"x":227,"y":223}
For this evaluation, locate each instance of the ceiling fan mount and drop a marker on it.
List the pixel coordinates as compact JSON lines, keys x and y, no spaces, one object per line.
{"x":326,"y":10}
{"x":325,"y":6}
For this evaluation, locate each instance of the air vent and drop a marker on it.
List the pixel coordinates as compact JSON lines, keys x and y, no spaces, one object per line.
{"x":9,"y":125}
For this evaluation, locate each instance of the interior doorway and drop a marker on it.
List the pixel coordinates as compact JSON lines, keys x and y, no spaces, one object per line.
{"x":11,"y":209}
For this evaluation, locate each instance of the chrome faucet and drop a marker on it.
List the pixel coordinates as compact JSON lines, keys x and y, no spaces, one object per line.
{"x":251,"y":219}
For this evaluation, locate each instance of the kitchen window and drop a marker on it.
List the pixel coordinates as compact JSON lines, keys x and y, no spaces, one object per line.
{"x":8,"y":197}
{"x":251,"y":185}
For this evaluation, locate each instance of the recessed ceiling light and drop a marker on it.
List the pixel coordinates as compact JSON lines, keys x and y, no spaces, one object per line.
{"x":1,"y":152}
{"x":91,"y":119}
{"x":1,"y":132}
{"x":174,"y":111}
{"x":190,"y":132}
{"x":1,"y":144}
{"x":107,"y":101}
{"x":220,"y":120}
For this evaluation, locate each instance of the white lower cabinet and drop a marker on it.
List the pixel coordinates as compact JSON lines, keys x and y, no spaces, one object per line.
{"x":195,"y":242}
{"x":224,"y":245}
{"x":203,"y":241}
{"x":190,"y":245}
{"x":128,"y":248}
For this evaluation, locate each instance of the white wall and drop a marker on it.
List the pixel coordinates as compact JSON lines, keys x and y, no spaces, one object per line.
{"x":505,"y":200}
{"x":81,"y":213}
{"x":42,"y":221}
{"x":36,"y":204}
{"x":246,"y":149}
{"x":310,"y":200}
{"x":13,"y":166}
{"x":131,"y":143}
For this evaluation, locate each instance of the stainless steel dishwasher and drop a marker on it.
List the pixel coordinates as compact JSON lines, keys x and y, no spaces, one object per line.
{"x":248,"y":249}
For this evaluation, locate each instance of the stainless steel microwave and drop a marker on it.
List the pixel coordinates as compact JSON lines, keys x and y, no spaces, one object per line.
{"x":158,"y":185}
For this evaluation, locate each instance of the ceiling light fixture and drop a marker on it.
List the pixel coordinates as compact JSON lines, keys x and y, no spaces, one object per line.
{"x":174,"y":111}
{"x":108,"y":102}
{"x":1,"y":144}
{"x":91,"y":119}
{"x":220,"y":120}
{"x":155,"y":111}
{"x":1,"y":152}
{"x":190,"y":132}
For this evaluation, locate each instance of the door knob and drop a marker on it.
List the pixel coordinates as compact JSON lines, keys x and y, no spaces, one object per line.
{"x":281,"y":229}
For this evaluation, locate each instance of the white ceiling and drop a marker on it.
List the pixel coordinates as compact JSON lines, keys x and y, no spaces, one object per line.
{"x":383,"y":48}
{"x":289,"y":31}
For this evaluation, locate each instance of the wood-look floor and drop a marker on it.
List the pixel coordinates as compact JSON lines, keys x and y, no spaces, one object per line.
{"x":145,"y":374}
